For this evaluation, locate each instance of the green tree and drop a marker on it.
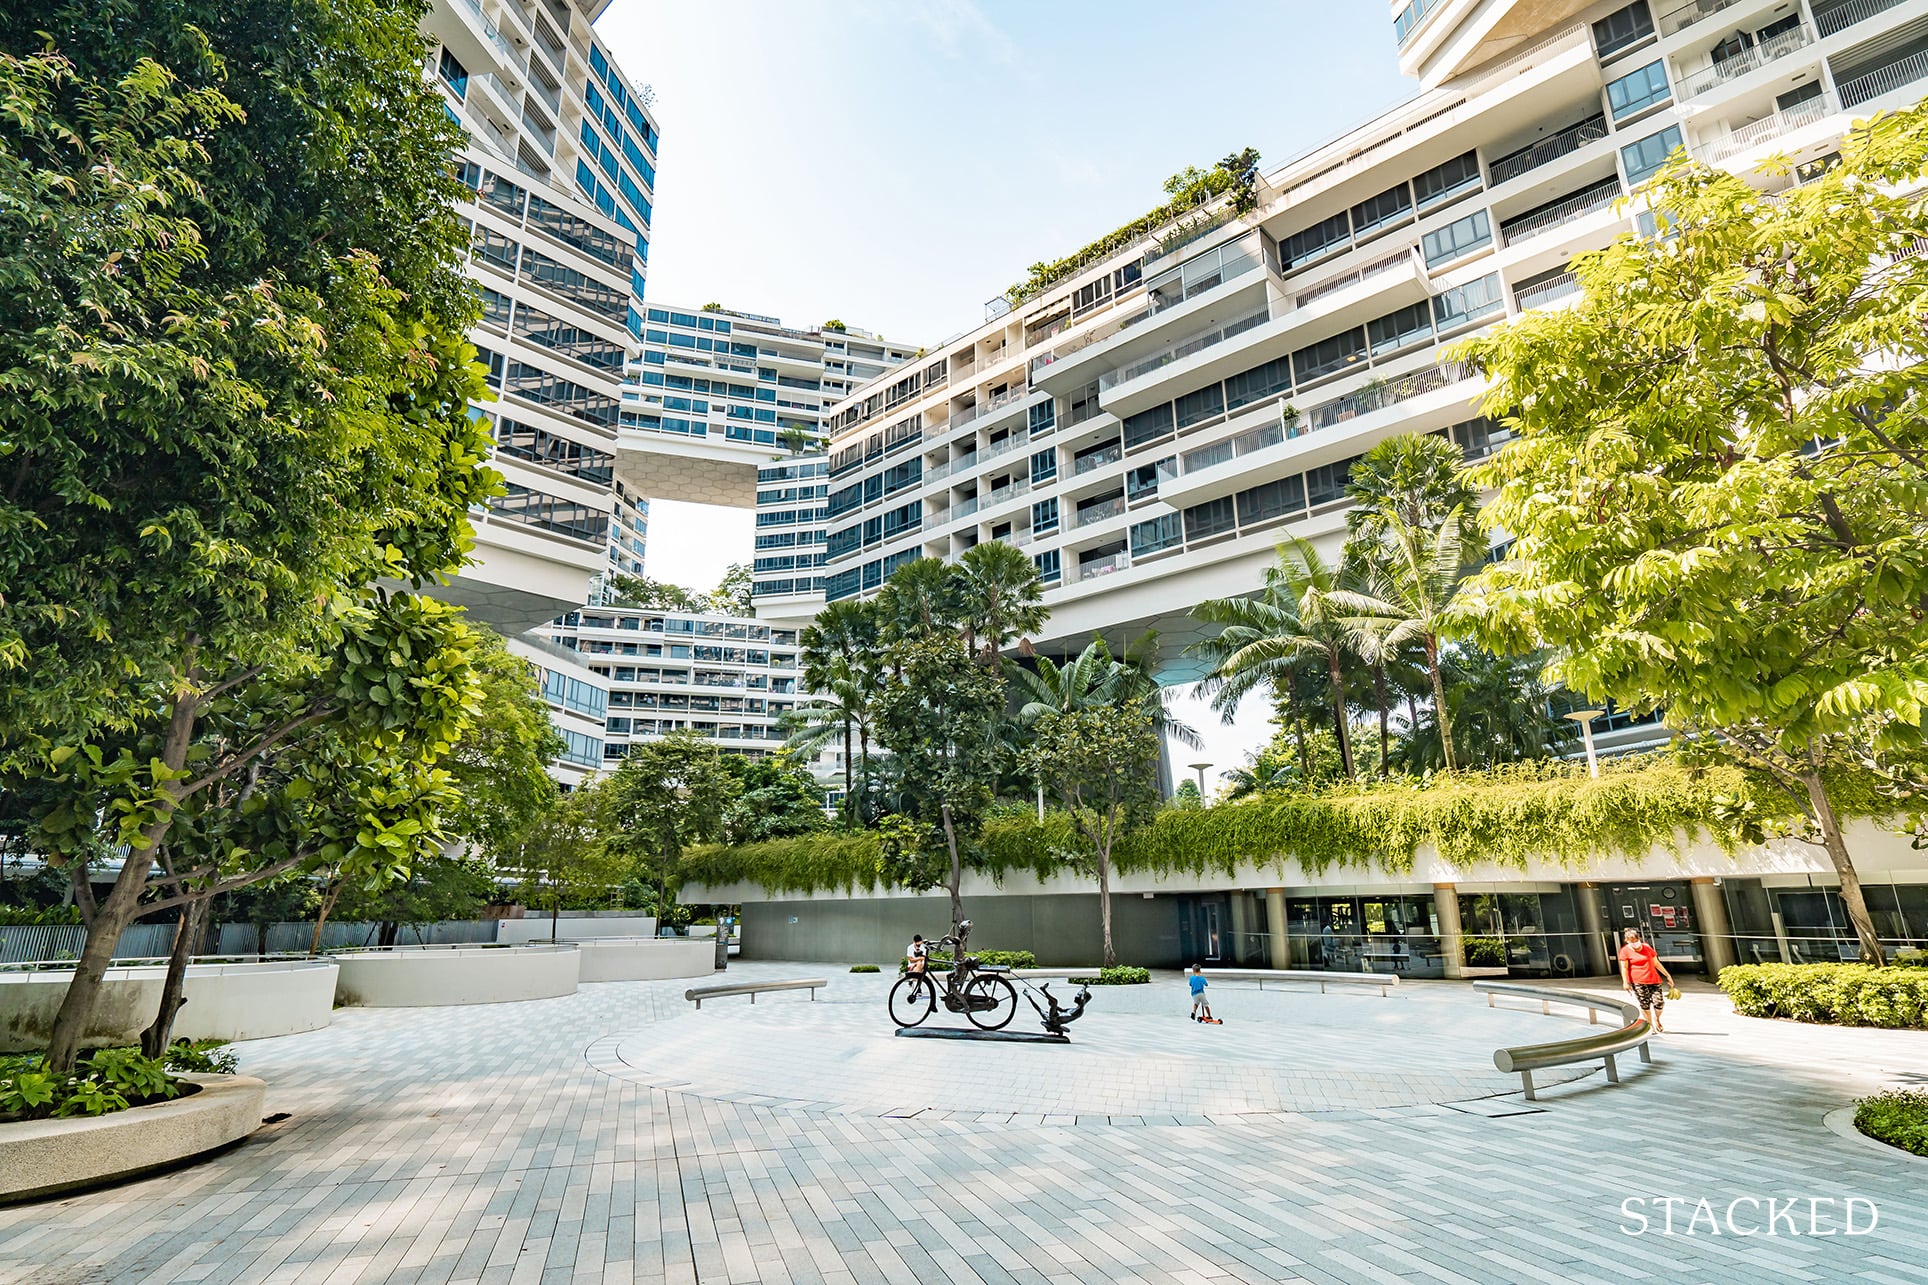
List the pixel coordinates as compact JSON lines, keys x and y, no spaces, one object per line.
{"x":666,"y":795}
{"x":1720,"y":475}
{"x":939,"y":715}
{"x":499,"y":766}
{"x":234,"y":397}
{"x":1264,"y":641}
{"x":437,"y":890}
{"x":1000,"y":597}
{"x":563,"y":860}
{"x":731,"y":597}
{"x":842,"y":673}
{"x":1415,"y":480}
{"x":922,"y":598}
{"x":626,"y":590}
{"x":775,"y":798}
{"x":1102,"y":763}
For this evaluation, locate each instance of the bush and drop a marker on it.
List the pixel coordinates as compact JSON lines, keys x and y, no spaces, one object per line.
{"x":103,"y":1081}
{"x":1840,"y":994}
{"x":863,"y":968}
{"x":1485,"y":952}
{"x":200,"y":1057}
{"x":1008,"y":958}
{"x":1910,"y":957}
{"x":31,"y":917}
{"x":934,"y":962}
{"x":1898,"y":1117}
{"x":1122,"y":975}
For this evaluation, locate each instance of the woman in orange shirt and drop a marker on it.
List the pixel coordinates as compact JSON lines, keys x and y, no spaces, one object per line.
{"x":1647,"y":979}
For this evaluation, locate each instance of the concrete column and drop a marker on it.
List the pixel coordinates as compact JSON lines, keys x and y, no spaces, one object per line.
{"x":1241,"y":928}
{"x":1452,"y":947}
{"x":1275,"y":928}
{"x":1593,"y":924}
{"x":1716,"y":931}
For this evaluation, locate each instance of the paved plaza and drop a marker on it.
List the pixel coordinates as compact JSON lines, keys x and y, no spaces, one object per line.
{"x":618,"y":1135}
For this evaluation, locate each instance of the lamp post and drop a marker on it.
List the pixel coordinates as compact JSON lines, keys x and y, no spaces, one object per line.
{"x":1585,"y":717}
{"x":1200,"y":769}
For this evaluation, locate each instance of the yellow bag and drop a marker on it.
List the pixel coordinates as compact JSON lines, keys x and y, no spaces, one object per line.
{"x":1673,"y":992}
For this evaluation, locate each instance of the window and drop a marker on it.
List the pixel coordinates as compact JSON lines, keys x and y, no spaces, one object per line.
{"x":1644,"y":159}
{"x":1044,"y":466}
{"x":1197,"y":407}
{"x":1273,"y":500}
{"x":1257,"y":384}
{"x":1141,"y":483}
{"x":1050,"y":569}
{"x":495,"y":248}
{"x":1443,"y":182}
{"x":1457,"y":239}
{"x":1389,"y":207}
{"x":1214,"y":517}
{"x":1329,"y":356}
{"x":570,"y":340}
{"x":540,"y":446}
{"x":1327,"y":485}
{"x":565,"y":517}
{"x":1316,"y":242}
{"x":1148,"y":425}
{"x":455,"y":74}
{"x":1044,"y":417}
{"x":1623,"y":29}
{"x":1637,"y":91}
{"x":1044,"y":516}
{"x":580,"y":233}
{"x":1471,"y":302}
{"x":1158,"y":534}
{"x":1401,"y":329}
{"x":562,"y":395}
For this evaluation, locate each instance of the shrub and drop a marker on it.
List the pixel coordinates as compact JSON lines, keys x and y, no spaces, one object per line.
{"x":934,"y":962}
{"x":1008,"y":958}
{"x":1485,"y":952}
{"x":200,"y":1057}
{"x":30,"y":917}
{"x":1910,"y":957}
{"x":103,"y":1081}
{"x":1122,"y":975}
{"x":1841,"y":994}
{"x":1898,"y":1117}
{"x":863,"y":968}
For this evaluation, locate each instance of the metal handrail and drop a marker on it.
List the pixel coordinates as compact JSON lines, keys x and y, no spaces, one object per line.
{"x":1542,"y":293}
{"x":1883,"y":79}
{"x":1741,"y":64}
{"x":1524,"y":1059}
{"x":1097,"y":459}
{"x":1578,"y":206}
{"x":1548,"y":149}
{"x":1185,"y":348}
{"x":1684,"y":16}
{"x":1771,"y":126}
{"x":1098,"y":512}
{"x":1390,"y":263}
{"x":1843,"y":16}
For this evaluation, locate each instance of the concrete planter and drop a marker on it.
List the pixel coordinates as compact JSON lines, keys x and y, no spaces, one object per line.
{"x":644,"y":959}
{"x":574,"y":927}
{"x":46,"y":1157}
{"x":433,"y":976}
{"x":224,"y":1002}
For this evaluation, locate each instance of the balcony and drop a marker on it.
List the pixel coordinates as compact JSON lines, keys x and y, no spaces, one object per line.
{"x":1681,"y":17}
{"x":1241,"y":444}
{"x":1097,"y":459}
{"x":1741,"y":64}
{"x":1075,"y":346}
{"x":1883,"y":80}
{"x":1201,"y":274}
{"x":1543,"y":294}
{"x":1843,"y":16}
{"x":1104,"y":510}
{"x":1752,"y":135}
{"x":1590,"y":200}
{"x":1547,"y":150}
{"x":1005,"y":447}
{"x":970,"y":414}
{"x":1009,"y":491}
{"x":1103,"y":566}
{"x":1378,"y":397}
{"x":1391,"y":263}
{"x":1184,"y":348}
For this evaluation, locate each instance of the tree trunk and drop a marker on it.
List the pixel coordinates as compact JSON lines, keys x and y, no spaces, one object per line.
{"x":1104,"y":905}
{"x":1440,"y":717}
{"x":1338,"y":689}
{"x":122,"y":904}
{"x":328,"y":900}
{"x":849,"y":796}
{"x":957,"y":871}
{"x":154,"y":1039}
{"x":1298,"y":738}
{"x":390,"y":930}
{"x":1385,"y":715}
{"x":1837,"y":846}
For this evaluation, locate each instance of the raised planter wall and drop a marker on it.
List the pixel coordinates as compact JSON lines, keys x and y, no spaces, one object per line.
{"x":643,"y":959}
{"x":45,"y":1157}
{"x":224,"y":1002}
{"x":575,"y":928}
{"x":430,"y":976}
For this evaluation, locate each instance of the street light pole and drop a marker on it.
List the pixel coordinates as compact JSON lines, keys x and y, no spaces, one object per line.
{"x":1585,"y":717}
{"x":1200,"y":769}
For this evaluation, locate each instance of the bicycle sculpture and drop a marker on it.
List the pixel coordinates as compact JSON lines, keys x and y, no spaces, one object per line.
{"x":982,"y":992}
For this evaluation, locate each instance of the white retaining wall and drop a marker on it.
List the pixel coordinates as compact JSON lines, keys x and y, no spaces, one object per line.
{"x":642,"y":959}
{"x":224,"y":1002}
{"x":582,"y":928}
{"x":430,"y":976}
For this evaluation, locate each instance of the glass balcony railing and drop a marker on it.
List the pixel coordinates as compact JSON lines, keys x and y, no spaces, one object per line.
{"x":1757,"y":132}
{"x":1843,"y":16}
{"x":999,"y":494}
{"x":1379,"y":396}
{"x":1883,"y":80}
{"x":1099,"y":512}
{"x":1185,"y":348}
{"x":1097,"y":459}
{"x":1103,"y":566}
{"x":989,"y":404}
{"x":1741,"y":64}
{"x":1391,"y":263}
{"x":1681,"y":17}
{"x":1235,"y":447}
{"x":1548,"y":149}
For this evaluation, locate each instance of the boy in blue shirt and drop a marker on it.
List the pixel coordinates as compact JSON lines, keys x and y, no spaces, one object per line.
{"x":1201,"y":1007}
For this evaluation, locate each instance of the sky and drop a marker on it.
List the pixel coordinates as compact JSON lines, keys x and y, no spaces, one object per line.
{"x":896,"y":163}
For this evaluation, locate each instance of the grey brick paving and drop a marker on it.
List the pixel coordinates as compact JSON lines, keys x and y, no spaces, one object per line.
{"x":617,"y":1136}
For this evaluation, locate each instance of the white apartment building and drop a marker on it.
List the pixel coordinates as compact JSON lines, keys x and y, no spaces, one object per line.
{"x":726,"y":407}
{"x":721,"y":677}
{"x":1150,"y":427}
{"x":560,"y":159}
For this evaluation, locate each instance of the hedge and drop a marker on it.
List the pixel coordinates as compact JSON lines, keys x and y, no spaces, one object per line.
{"x":1507,"y":816}
{"x":1898,"y":1117}
{"x":1118,"y":975}
{"x":1839,"y":994}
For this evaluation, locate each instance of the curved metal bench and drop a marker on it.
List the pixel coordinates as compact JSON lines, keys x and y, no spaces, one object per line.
{"x":1601,"y":1046}
{"x":753,"y":989}
{"x":1322,"y":977}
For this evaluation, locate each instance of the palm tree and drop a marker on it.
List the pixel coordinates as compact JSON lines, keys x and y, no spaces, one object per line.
{"x":1502,"y":706}
{"x":1002,"y":597}
{"x":1409,"y":599}
{"x":1264,"y":641}
{"x":839,"y":654}
{"x":1415,"y":479}
{"x":1095,"y":678}
{"x":921,"y":598}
